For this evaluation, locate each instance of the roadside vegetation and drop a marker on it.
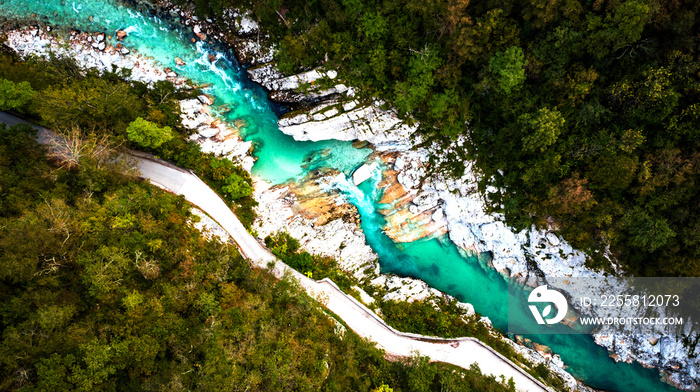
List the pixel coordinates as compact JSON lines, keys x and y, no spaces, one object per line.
{"x":439,"y":317}
{"x":56,"y":93}
{"x":583,"y":113}
{"x":105,"y":285}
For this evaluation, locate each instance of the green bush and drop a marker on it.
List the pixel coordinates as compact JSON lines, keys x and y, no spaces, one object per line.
{"x":147,"y":134}
{"x":15,"y":96}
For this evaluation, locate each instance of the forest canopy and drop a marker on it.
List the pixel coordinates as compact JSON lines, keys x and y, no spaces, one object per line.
{"x":583,"y":113}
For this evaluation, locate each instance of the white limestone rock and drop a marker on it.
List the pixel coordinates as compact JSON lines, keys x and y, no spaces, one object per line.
{"x":264,"y":74}
{"x":243,"y":22}
{"x":195,"y":114}
{"x":371,"y":123}
{"x":362,"y":174}
{"x":405,"y":289}
{"x":87,"y":52}
{"x":207,"y":131}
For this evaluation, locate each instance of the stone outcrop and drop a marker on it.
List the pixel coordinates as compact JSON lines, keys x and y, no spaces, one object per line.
{"x":362,"y":174}
{"x":410,"y":214}
{"x":349,"y":120}
{"x":326,"y":224}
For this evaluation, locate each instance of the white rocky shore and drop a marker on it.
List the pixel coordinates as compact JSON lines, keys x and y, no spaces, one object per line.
{"x":89,"y":51}
{"x":214,"y":135}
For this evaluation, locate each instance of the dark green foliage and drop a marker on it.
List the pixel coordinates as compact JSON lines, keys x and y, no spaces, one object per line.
{"x":444,"y":319}
{"x":90,"y":103}
{"x":39,"y":73}
{"x":69,"y":97}
{"x":233,"y":183}
{"x":22,"y":164}
{"x":441,"y":318}
{"x":114,"y":290}
{"x":566,"y":102}
{"x":541,"y":370}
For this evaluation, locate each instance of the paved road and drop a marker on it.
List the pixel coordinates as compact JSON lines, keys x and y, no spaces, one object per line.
{"x":462,"y":352}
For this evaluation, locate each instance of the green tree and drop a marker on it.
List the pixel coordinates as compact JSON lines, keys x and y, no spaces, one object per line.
{"x":489,"y":32}
{"x":509,"y":65}
{"x":646,"y":231}
{"x":413,"y":92}
{"x":612,"y":172}
{"x":619,"y":29}
{"x":90,"y":103}
{"x":543,"y":127}
{"x":542,"y":12}
{"x":147,"y":134}
{"x":15,"y":96}
{"x":373,"y":25}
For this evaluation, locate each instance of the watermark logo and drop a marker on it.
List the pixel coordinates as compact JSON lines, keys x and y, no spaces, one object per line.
{"x":553,"y":297}
{"x":605,"y":305}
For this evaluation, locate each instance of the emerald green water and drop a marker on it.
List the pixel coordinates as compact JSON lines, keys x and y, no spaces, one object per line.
{"x":436,"y":261}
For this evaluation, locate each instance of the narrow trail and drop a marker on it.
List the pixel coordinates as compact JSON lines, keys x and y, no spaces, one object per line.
{"x":461,"y":352}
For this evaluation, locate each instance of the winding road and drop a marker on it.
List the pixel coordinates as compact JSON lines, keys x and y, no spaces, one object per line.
{"x":461,"y":352}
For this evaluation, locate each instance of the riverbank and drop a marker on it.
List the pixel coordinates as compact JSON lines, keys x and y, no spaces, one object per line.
{"x":528,"y":256}
{"x":197,"y":114}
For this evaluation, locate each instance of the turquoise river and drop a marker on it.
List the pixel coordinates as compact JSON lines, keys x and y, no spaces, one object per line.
{"x":280,"y":158}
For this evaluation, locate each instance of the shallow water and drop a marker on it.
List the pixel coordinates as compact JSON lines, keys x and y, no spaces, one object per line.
{"x":436,"y":261}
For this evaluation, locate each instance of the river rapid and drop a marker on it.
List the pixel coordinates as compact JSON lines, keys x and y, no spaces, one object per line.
{"x":280,"y":158}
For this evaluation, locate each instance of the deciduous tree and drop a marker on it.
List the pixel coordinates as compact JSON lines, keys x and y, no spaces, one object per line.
{"x":147,"y":134}
{"x":15,"y":96}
